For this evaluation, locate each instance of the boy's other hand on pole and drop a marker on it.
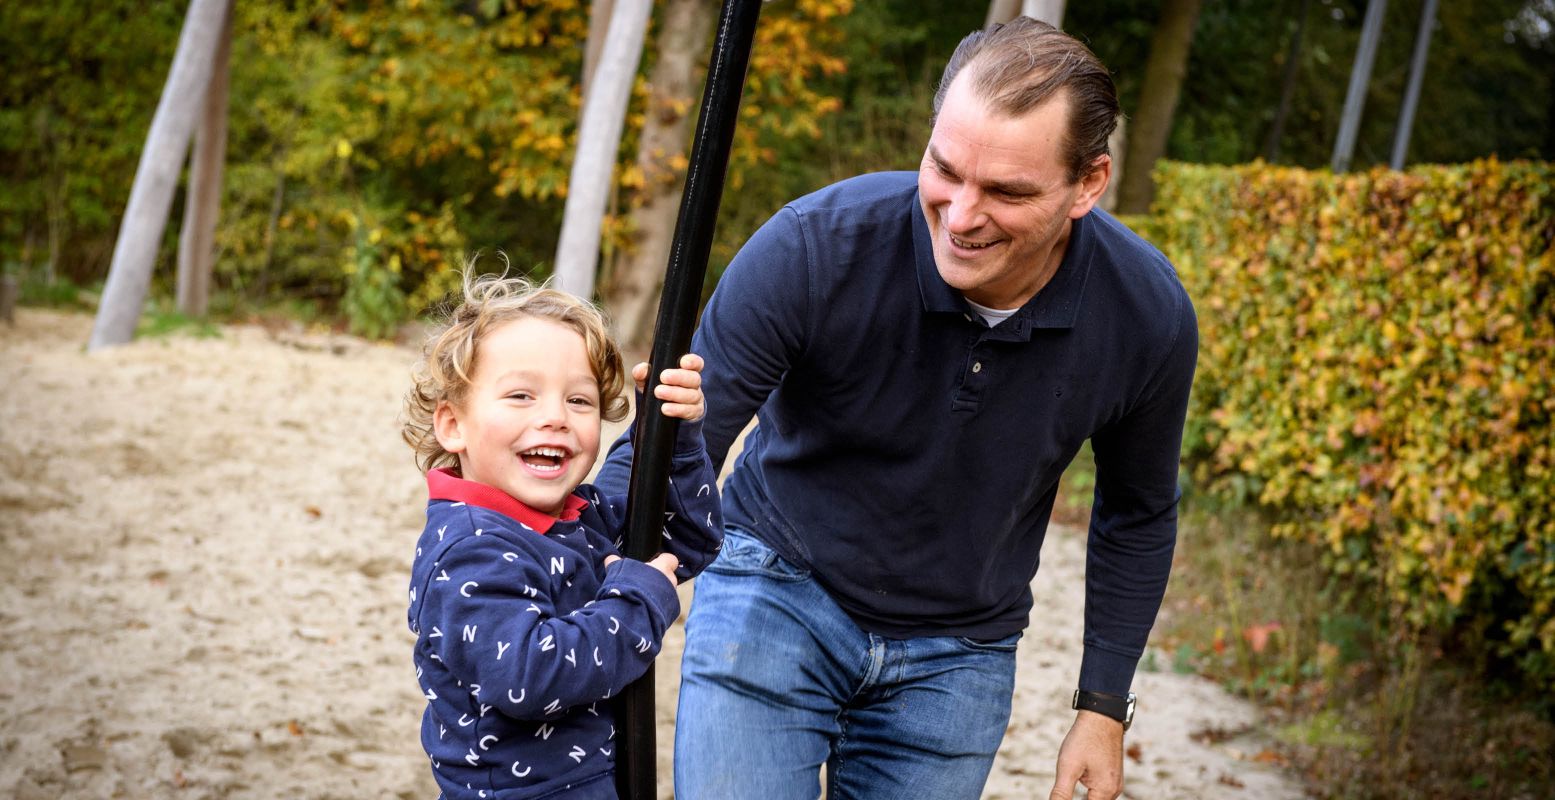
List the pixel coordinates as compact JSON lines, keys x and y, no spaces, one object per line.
{"x":679,"y":389}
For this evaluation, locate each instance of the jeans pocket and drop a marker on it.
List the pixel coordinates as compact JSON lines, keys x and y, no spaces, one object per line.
{"x":1004,"y":645}
{"x":743,"y":554}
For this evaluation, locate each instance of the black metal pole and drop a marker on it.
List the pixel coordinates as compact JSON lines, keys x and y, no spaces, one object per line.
{"x":636,"y":768}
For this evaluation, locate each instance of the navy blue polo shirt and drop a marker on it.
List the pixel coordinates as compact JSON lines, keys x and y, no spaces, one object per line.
{"x":909,"y":455}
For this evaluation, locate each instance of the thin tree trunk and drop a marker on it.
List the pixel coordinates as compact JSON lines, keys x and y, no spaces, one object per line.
{"x":202,"y":206}
{"x":1116,"y":144}
{"x":53,"y":196}
{"x":599,"y":136}
{"x":29,"y":239}
{"x":271,"y":227}
{"x":633,"y":293}
{"x":156,"y":178}
{"x":1049,"y":11}
{"x":1000,"y":12}
{"x":55,"y":213}
{"x":600,"y":12}
{"x":1406,"y":116}
{"x":1271,"y":147}
{"x":1360,"y":82}
{"x":1165,"y":70}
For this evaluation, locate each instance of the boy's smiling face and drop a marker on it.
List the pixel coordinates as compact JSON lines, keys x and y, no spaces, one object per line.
{"x":530,"y":419}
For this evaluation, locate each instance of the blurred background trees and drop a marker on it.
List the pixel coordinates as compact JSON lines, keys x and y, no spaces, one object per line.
{"x":373,"y":145}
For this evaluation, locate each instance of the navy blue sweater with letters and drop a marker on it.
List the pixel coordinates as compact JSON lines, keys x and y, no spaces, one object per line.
{"x":908,"y":455}
{"x":522,"y":636}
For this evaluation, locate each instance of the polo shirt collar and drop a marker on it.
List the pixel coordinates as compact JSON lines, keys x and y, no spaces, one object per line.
{"x":443,"y":484}
{"x":1056,"y":306}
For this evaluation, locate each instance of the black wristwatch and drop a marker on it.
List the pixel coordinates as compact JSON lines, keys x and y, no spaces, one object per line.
{"x":1111,"y":705}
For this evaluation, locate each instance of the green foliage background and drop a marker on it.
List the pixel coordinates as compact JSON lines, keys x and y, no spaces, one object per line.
{"x":416,"y":133}
{"x":444,"y":128}
{"x":1377,"y":371}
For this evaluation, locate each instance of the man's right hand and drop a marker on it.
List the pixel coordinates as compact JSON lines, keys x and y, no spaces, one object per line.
{"x":1091,"y":754}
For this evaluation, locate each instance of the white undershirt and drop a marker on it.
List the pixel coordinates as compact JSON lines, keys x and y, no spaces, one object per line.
{"x":994,"y":316}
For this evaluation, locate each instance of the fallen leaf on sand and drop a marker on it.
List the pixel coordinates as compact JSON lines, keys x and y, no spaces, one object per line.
{"x":1269,"y":757}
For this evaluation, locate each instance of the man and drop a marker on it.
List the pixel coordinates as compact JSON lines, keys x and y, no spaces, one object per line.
{"x":925,"y":354}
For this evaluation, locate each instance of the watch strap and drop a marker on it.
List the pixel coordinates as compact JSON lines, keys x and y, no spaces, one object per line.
{"x":1109,"y":705}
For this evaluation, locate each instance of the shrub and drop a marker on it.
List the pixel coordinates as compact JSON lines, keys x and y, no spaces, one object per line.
{"x":1377,"y":371}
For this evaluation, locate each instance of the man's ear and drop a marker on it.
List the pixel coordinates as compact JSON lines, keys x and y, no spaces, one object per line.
{"x":1091,"y":187}
{"x":446,"y":427}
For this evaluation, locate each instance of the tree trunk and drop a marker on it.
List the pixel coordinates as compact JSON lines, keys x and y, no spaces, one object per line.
{"x":1116,"y":144}
{"x":1000,"y":12}
{"x":273,"y":225}
{"x":599,"y":136}
{"x":54,"y":182}
{"x":1271,"y":146}
{"x":1165,"y":70}
{"x":600,"y":12}
{"x":1360,"y":81}
{"x":156,"y":178}
{"x":202,"y":203}
{"x":1406,"y":116}
{"x":633,"y":292}
{"x":1049,"y":11}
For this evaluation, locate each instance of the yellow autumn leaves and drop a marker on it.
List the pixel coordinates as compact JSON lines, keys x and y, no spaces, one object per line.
{"x":1377,"y":369}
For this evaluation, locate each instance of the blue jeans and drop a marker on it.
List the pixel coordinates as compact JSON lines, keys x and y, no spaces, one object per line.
{"x":776,"y":680}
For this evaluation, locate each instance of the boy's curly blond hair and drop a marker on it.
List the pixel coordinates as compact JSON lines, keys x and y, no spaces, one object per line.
{"x":448,"y":357}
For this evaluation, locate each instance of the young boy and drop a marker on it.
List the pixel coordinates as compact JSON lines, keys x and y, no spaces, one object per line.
{"x":526,"y":617}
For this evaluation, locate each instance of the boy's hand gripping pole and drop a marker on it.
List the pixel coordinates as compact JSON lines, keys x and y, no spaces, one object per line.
{"x":636,"y":766}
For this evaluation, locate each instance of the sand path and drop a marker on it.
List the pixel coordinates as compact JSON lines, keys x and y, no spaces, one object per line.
{"x":203,"y":547}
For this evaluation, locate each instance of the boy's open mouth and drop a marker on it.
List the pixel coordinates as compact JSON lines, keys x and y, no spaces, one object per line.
{"x":545,"y":459}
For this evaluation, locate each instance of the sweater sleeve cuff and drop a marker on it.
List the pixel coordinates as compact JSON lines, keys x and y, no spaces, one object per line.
{"x":648,"y":583}
{"x":688,"y":439}
{"x":1109,"y":673}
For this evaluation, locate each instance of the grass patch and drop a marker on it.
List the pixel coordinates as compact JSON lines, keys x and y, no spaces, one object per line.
{"x":162,"y":319}
{"x":34,"y":291}
{"x":161,"y":316}
{"x":1364,"y":706}
{"x":1325,"y":728}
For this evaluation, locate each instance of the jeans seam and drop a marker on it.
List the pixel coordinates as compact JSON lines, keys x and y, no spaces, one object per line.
{"x":834,"y":770}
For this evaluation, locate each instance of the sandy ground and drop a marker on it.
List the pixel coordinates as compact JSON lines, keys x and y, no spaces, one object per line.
{"x":203,"y":554}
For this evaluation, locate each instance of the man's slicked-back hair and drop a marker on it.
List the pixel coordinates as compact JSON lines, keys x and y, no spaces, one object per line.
{"x":1021,"y":64}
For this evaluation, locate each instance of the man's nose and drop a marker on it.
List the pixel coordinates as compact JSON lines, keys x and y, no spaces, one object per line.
{"x":965,"y":210}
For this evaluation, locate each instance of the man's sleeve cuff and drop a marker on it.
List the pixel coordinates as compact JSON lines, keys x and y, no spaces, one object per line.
{"x":1109,"y":673}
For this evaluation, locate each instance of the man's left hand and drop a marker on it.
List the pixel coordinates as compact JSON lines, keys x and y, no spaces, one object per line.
{"x":1091,"y":754}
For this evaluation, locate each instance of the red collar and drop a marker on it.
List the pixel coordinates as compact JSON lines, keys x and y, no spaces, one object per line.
{"x":443,"y":484}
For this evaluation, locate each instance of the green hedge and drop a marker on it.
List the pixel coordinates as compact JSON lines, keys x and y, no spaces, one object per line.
{"x":1377,"y":371}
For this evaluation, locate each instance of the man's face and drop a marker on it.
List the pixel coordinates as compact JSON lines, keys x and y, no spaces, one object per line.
{"x":997,"y":198}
